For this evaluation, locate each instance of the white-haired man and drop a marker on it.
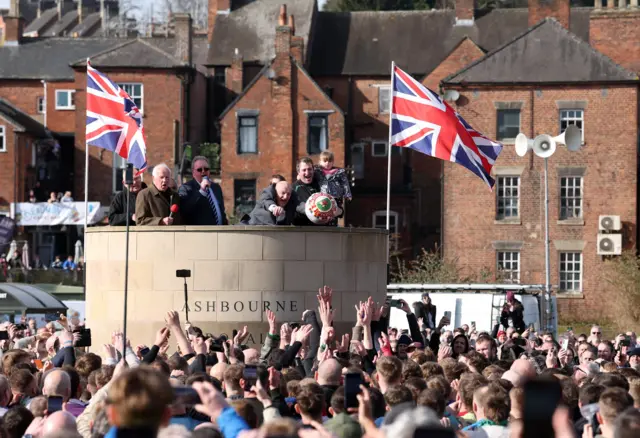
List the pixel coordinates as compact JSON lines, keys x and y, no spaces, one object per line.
{"x":153,"y":204}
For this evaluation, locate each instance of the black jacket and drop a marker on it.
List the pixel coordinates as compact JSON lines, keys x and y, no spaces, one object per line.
{"x":195,"y":208}
{"x":517,"y":316}
{"x":304,"y":191}
{"x":117,"y":215}
{"x":262,"y":216}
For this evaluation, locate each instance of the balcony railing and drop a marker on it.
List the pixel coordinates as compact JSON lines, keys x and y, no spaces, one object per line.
{"x":42,"y":276}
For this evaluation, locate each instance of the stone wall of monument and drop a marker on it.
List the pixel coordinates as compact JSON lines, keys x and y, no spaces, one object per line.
{"x":236,"y":274}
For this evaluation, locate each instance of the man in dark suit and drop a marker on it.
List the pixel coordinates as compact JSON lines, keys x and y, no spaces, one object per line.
{"x":201,"y":200}
{"x":117,"y":210}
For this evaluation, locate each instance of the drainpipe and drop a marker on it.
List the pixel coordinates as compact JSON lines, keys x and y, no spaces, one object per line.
{"x":44,"y":84}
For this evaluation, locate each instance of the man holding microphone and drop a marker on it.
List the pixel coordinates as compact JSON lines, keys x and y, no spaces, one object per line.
{"x":201,"y":199}
{"x":158,"y":204}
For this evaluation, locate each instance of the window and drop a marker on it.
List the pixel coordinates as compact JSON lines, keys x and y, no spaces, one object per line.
{"x":357,"y":160}
{"x":380,"y":222}
{"x":508,"y":197}
{"x":384,"y":99}
{"x":508,"y":123}
{"x":572,"y":117}
{"x":379,"y":149}
{"x":244,"y":191}
{"x":135,"y":92}
{"x":40,"y":105}
{"x":571,"y":271}
{"x":3,"y":138}
{"x":509,"y":266}
{"x":318,"y":140}
{"x":247,"y":134}
{"x":65,"y":99}
{"x":570,"y":197}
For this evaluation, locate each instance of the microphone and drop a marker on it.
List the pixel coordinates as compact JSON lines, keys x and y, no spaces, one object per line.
{"x":206,"y":178}
{"x":174,"y":209}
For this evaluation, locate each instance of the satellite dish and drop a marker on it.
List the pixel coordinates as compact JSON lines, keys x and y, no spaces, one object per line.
{"x":451,"y":95}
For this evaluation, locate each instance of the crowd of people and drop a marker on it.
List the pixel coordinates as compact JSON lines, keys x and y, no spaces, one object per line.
{"x":200,"y":201}
{"x":428,"y":381}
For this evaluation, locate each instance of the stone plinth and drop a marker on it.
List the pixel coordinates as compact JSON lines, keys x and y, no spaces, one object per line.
{"x":236,"y":274}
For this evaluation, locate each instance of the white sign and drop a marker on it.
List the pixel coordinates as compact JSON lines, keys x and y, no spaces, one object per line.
{"x":57,"y":213}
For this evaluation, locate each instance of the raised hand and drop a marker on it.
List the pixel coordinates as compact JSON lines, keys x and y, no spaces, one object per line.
{"x":274,"y":378}
{"x":383,"y":340}
{"x":302,"y":333}
{"x":271,"y":317}
{"x":162,"y":336}
{"x":326,"y":313}
{"x":109,"y":351}
{"x":325,"y":294}
{"x":285,"y":333}
{"x":241,"y":336}
{"x":344,"y":344}
{"x":172,"y":319}
{"x":444,"y":352}
{"x":199,"y":346}
{"x":359,"y":349}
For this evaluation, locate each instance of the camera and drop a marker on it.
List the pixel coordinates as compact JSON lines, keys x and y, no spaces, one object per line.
{"x":183,"y":273}
{"x":85,"y":337}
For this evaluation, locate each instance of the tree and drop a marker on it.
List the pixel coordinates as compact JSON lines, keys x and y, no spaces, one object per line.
{"x":623,"y":274}
{"x":196,"y":8}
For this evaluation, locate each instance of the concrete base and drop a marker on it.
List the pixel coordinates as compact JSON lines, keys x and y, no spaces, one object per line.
{"x":236,"y":274}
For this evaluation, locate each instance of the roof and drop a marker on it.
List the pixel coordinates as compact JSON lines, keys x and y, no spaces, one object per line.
{"x":41,"y":23}
{"x":22,"y":121}
{"x":365,"y":43}
{"x":251,"y":28}
{"x":88,"y":24}
{"x":525,"y":59}
{"x":49,"y":58}
{"x":19,"y":297}
{"x":61,"y":27}
{"x":134,"y":53}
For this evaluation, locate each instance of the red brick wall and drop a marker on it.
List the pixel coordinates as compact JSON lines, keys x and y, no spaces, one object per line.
{"x":282,"y":129}
{"x":609,"y":156}
{"x":616,"y":34}
{"x":160,"y":110}
{"x":59,"y":120}
{"x":462,"y":55}
{"x":22,"y":94}
{"x":540,"y":9}
{"x":13,"y":171}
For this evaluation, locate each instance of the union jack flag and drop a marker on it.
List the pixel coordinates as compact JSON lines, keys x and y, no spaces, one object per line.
{"x":113,"y":120}
{"x":422,"y":121}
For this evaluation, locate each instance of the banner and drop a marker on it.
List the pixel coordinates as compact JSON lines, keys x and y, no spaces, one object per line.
{"x":58,"y":213}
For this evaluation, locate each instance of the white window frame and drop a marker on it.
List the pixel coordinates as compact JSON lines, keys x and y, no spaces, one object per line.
{"x":3,"y":138}
{"x":572,"y":116}
{"x":499,"y":183}
{"x":384,"y":89}
{"x":569,"y":285}
{"x":577,"y":202}
{"x":373,"y":149}
{"x":503,"y":110}
{"x":128,"y":87}
{"x":394,"y":225}
{"x":41,"y":105}
{"x":504,"y":264}
{"x":70,"y":94}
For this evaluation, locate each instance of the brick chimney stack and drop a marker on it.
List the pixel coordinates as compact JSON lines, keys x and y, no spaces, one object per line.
{"x":13,"y":25}
{"x":283,"y":34}
{"x":541,"y":9}
{"x":465,"y":11}
{"x":216,"y":7}
{"x":183,"y":28}
{"x":297,"y":43}
{"x":235,"y":73}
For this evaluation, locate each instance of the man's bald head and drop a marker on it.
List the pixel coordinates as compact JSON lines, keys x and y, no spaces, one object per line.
{"x":251,"y":356}
{"x":217,"y":371}
{"x":57,"y":383}
{"x":60,"y":423}
{"x":524,"y":368}
{"x":330,"y":372}
{"x":283,"y":193}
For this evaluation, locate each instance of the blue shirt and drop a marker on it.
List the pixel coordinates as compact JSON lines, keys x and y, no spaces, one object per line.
{"x":69,"y":264}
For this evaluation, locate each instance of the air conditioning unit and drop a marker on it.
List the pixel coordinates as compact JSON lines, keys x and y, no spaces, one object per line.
{"x":609,"y":223}
{"x":609,"y":244}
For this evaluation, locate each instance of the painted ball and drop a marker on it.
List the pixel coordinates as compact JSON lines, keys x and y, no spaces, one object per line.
{"x":321,"y":208}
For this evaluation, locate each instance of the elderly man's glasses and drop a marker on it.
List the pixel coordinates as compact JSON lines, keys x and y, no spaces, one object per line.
{"x":596,"y":333}
{"x":202,"y":169}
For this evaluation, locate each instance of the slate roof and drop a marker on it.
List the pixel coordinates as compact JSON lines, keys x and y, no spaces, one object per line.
{"x":526,"y":60}
{"x":68,"y":20}
{"x":43,"y":22}
{"x":23,"y":121}
{"x":49,"y":58}
{"x":251,"y":29}
{"x":88,"y":25}
{"x":134,"y":53}
{"x":365,"y":43}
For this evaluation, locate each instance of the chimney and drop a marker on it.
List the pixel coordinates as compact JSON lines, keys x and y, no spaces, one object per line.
{"x":465,"y":12}
{"x":80,"y":11}
{"x":297,"y":43}
{"x":541,"y":9}
{"x":216,"y":7}
{"x":234,"y":76}
{"x":60,"y":2}
{"x":283,"y":34}
{"x":13,"y":25}
{"x":183,"y":32}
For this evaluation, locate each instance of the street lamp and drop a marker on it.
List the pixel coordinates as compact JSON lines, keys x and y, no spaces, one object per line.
{"x":544,"y":146}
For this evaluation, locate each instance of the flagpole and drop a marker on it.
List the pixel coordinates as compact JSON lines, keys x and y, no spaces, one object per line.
{"x":393,"y":64}
{"x":86,"y":202}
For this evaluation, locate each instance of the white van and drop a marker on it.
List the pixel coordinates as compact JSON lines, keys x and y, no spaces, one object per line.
{"x":479,"y":303}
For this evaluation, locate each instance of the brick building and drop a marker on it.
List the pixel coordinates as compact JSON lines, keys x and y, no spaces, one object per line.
{"x":272,"y":84}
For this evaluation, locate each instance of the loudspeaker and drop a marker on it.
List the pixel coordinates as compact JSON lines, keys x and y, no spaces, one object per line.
{"x":572,"y":137}
{"x":523,"y":144}
{"x":544,"y":146}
